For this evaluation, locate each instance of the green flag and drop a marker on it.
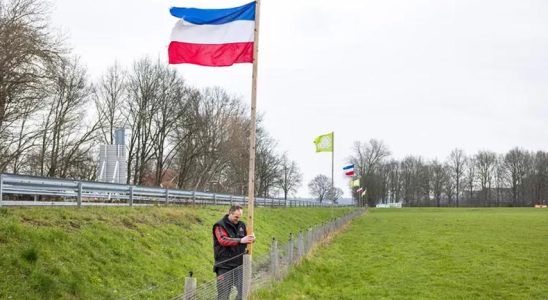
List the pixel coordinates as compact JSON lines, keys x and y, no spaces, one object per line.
{"x":355,"y":183}
{"x":324,"y":143}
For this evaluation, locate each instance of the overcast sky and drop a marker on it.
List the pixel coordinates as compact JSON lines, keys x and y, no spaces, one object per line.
{"x":423,"y":76}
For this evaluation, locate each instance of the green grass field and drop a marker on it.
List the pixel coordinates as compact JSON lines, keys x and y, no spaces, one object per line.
{"x":428,"y":253}
{"x":114,"y":253}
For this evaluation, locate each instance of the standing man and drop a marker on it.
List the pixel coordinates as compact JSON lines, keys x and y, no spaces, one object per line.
{"x":229,"y":245}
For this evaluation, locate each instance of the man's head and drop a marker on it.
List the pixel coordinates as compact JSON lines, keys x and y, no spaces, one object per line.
{"x":235,"y":213}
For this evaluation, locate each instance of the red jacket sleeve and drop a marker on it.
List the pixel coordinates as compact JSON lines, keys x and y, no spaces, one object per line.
{"x":224,"y":239}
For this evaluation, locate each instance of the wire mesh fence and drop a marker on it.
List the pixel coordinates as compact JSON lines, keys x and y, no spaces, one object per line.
{"x":266,"y":268}
{"x":228,"y":285}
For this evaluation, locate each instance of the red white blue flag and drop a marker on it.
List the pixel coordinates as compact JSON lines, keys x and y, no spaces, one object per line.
{"x":349,"y":170}
{"x":213,"y":37}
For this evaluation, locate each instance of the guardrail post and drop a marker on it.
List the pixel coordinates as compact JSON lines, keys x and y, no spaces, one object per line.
{"x":131,"y":195}
{"x":190,"y":287}
{"x":215,"y":199}
{"x":79,"y":194}
{"x":1,"y":188}
{"x":230,"y":200}
{"x":193,"y":197}
{"x":167,"y":195}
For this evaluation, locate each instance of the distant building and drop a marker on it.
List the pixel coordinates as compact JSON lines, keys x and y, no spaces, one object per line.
{"x":112,"y":160}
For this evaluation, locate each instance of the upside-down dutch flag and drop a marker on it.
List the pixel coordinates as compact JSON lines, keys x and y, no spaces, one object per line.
{"x":213,"y":37}
{"x":349,"y":170}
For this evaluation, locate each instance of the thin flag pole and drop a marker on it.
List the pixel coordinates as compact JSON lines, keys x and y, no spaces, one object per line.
{"x":251,"y":181}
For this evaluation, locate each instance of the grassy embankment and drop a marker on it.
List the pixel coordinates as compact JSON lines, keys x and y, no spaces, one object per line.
{"x":428,"y":254}
{"x":116,"y":253}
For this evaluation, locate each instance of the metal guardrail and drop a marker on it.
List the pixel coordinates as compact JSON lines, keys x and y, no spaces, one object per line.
{"x":40,"y":191}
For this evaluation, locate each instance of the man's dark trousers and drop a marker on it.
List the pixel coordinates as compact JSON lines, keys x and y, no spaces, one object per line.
{"x":226,"y":279}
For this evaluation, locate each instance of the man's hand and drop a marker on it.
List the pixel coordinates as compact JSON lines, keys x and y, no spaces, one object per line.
{"x":247,"y":239}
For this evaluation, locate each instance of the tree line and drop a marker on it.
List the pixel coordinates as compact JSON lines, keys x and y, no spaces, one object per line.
{"x":53,"y":118}
{"x":485,"y":179}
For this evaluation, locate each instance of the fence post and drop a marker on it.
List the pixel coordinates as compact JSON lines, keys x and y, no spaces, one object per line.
{"x":190,"y":287}
{"x":79,"y":194}
{"x":246,"y":280}
{"x":274,"y":259}
{"x":167,"y":195}
{"x":290,"y":250}
{"x":308,"y":239}
{"x":131,"y":195}
{"x":300,"y":245}
{"x":1,"y":188}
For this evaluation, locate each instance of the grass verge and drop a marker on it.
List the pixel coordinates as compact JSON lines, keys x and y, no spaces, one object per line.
{"x":428,"y":254}
{"x":122,"y":252}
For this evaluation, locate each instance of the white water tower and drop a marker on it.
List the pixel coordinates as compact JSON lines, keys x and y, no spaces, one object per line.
{"x":112,"y":160}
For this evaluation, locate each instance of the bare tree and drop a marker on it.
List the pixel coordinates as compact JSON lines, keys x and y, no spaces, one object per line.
{"x":335,"y":194}
{"x":456,"y":162}
{"x":65,"y":139}
{"x":517,"y":162}
{"x":540,"y":194}
{"x":109,"y":95}
{"x":290,"y":176}
{"x":410,"y":175}
{"x":486,"y":161}
{"x":470,"y":177}
{"x":320,"y":187}
{"x":368,"y":155}
{"x":22,"y":139}
{"x":26,"y":50}
{"x":449,"y":185}
{"x":367,"y":159}
{"x":439,"y":179}
{"x":500,"y":178}
{"x":173,"y":104}
{"x":141,"y":103}
{"x":215,"y":138}
{"x":394,"y":180}
{"x":214,"y":115}
{"x":267,"y":164}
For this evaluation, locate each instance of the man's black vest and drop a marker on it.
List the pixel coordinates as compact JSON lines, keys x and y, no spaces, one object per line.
{"x":222,"y":254}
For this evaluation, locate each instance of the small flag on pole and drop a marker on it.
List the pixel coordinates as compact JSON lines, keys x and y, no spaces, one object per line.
{"x":324,"y":143}
{"x":355,"y":182}
{"x":359,"y":190}
{"x":363,"y":193}
{"x":349,"y":170}
{"x":213,"y":37}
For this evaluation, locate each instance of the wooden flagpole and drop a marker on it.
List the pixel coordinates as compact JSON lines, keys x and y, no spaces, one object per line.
{"x":251,"y":181}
